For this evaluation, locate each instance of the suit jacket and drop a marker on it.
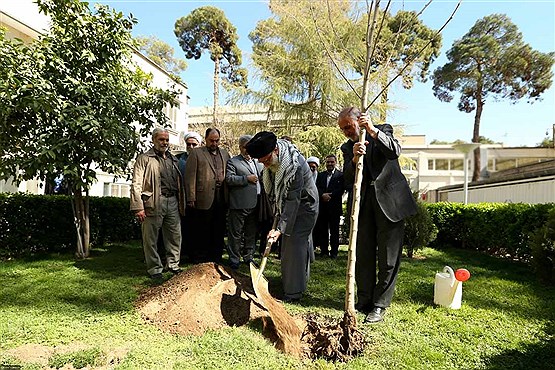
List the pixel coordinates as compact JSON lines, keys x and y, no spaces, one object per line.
{"x":242,"y":193}
{"x":200,"y":177}
{"x":336,"y":187}
{"x":381,"y":166}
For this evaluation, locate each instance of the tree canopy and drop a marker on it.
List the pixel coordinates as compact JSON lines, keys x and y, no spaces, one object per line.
{"x":161,"y":53}
{"x":208,"y":29}
{"x":311,"y":57}
{"x":492,"y":61}
{"x":72,"y":102}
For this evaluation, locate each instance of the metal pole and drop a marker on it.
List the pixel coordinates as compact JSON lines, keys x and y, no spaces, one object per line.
{"x":465,"y":177}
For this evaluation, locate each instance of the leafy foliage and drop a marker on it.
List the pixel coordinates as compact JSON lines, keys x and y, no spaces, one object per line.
{"x":492,"y":60}
{"x":161,"y":53}
{"x":420,"y":230}
{"x":497,"y":228}
{"x":208,"y":29}
{"x":542,"y":244}
{"x":311,"y":57}
{"x":37,"y":224}
{"x":72,"y":102}
{"x":320,"y":141}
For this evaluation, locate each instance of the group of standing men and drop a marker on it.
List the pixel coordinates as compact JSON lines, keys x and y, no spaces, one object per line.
{"x":209,"y":182}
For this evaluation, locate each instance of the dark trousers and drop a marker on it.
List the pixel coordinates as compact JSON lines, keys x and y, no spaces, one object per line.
{"x":326,"y":231}
{"x":241,"y":238}
{"x":207,"y":232}
{"x":379,"y":242}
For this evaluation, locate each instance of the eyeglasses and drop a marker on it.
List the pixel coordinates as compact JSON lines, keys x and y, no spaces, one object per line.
{"x":192,"y":144}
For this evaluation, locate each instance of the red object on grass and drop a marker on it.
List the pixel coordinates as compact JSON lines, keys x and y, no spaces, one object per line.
{"x":462,"y":275}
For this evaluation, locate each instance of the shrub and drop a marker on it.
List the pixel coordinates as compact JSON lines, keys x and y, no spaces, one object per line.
{"x":542,"y":245}
{"x":419,"y":230}
{"x":497,"y":228}
{"x":31,"y":224}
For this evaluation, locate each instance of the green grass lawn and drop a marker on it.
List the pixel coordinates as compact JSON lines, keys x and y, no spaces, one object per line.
{"x":82,"y":312}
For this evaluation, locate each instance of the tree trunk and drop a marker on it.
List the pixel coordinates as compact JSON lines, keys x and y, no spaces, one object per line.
{"x":216,"y":91}
{"x":80,"y":206}
{"x":383,"y":108}
{"x":476,"y":136}
{"x":351,"y":259}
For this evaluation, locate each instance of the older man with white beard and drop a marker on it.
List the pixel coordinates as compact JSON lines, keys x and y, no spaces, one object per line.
{"x":290,"y":186}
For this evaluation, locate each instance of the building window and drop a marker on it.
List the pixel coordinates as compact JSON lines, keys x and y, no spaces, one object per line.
{"x":171,"y":113}
{"x":442,"y":164}
{"x":430,"y":164}
{"x":116,"y":190}
{"x":456,"y":165}
{"x":504,"y":164}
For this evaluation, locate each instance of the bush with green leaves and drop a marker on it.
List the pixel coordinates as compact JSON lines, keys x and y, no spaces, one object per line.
{"x":31,"y":224}
{"x":500,"y":229}
{"x":419,"y":230}
{"x":542,"y":245}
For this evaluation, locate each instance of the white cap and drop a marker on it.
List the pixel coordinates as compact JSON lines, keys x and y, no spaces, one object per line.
{"x":313,"y":160}
{"x":193,"y":135}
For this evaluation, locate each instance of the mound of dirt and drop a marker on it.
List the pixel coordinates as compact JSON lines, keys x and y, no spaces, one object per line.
{"x":206,"y":296}
{"x":211,"y":296}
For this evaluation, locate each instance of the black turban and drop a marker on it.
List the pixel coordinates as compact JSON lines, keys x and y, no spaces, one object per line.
{"x":261,"y":144}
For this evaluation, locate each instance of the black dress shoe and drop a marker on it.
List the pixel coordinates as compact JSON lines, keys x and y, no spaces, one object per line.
{"x":291,"y":299}
{"x":374,"y":316}
{"x":364,"y":307}
{"x":157,"y":276}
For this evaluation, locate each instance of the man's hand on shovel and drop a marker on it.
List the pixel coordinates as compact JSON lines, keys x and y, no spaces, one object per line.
{"x":273,"y":236}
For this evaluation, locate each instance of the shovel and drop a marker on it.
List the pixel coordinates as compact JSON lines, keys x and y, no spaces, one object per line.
{"x":287,"y":331}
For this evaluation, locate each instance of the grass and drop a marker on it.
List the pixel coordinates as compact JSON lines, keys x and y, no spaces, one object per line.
{"x":507,"y":320}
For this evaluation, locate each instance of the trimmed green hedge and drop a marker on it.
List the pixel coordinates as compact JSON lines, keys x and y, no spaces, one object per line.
{"x":497,"y":228}
{"x":44,"y":223}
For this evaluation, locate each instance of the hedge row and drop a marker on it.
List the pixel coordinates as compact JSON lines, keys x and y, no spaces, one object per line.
{"x":44,"y":223}
{"x":497,"y":228}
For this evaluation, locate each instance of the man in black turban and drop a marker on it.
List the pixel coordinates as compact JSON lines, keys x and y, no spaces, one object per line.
{"x":288,"y":181}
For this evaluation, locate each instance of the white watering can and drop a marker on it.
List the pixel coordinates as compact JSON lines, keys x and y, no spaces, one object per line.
{"x":448,"y":287}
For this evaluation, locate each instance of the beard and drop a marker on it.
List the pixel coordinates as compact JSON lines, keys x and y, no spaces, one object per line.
{"x":274,"y":164}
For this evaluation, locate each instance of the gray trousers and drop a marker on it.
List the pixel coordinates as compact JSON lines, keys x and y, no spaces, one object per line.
{"x":379,"y":243}
{"x":169,"y":221}
{"x":297,"y":251}
{"x":242,"y":234}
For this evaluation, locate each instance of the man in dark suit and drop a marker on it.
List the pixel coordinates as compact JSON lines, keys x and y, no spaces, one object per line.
{"x":206,"y":194}
{"x":242,"y":176}
{"x":386,"y":200}
{"x":331,"y":187}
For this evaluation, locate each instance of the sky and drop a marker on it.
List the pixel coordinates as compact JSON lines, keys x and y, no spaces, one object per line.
{"x":417,"y":109}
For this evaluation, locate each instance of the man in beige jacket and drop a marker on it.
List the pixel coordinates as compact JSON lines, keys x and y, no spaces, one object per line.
{"x":157,"y":200}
